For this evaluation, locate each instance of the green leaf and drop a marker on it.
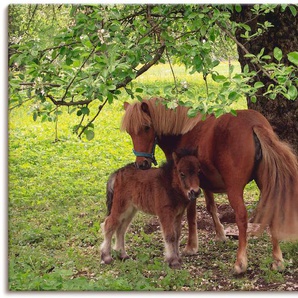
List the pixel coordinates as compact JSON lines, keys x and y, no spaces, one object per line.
{"x":253,"y":99}
{"x":293,"y":10}
{"x":238,"y":7}
{"x":246,"y":68}
{"x":76,"y":63}
{"x":89,"y":134}
{"x":218,"y":78}
{"x":272,"y":95}
{"x":277,"y":53}
{"x":145,"y":40}
{"x":35,"y":116}
{"x":258,"y":85}
{"x":172,"y":105}
{"x":292,"y":92}
{"x":261,"y":53}
{"x":266,"y":57}
{"x":86,"y":41}
{"x":139,"y":90}
{"x":233,"y":112}
{"x":293,"y":57}
{"x":110,"y":97}
{"x":111,"y":87}
{"x":192,"y":113}
{"x":249,"y":55}
{"x":233,"y":95}
{"x":85,"y":110}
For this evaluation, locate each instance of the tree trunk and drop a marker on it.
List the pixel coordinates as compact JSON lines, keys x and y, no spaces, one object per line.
{"x":281,"y":112}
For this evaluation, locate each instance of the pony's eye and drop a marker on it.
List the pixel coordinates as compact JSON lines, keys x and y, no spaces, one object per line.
{"x":147,"y":128}
{"x":182,"y":175}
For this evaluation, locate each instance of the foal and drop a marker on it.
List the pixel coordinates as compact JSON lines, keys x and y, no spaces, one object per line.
{"x":165,"y":192}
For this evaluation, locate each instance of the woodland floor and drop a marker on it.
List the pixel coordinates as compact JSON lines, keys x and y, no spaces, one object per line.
{"x":222,"y":281}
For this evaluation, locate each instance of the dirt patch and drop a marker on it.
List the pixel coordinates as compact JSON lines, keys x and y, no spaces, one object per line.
{"x":208,"y":259}
{"x":204,"y":219}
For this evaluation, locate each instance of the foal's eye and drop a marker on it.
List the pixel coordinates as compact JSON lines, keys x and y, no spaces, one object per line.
{"x":182,"y":175}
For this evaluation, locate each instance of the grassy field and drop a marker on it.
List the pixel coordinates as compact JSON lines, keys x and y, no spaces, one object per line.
{"x":57,"y":203}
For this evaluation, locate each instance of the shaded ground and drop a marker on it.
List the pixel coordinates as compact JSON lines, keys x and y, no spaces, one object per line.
{"x":209,"y":255}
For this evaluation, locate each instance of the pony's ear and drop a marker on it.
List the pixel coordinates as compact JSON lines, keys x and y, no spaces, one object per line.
{"x":145,"y":108}
{"x":175,"y":158}
{"x":125,"y":105}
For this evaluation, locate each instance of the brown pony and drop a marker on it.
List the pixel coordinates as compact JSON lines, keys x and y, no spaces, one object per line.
{"x":233,"y":150}
{"x":164,"y":192}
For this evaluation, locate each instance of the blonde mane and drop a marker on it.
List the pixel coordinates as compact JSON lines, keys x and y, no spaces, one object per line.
{"x":164,"y":120}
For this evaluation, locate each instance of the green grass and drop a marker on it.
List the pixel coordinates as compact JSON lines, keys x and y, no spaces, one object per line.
{"x":57,"y":202}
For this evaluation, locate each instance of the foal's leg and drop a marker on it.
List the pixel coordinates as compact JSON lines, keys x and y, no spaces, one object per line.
{"x":109,"y":227}
{"x":192,"y":241}
{"x":120,"y":233}
{"x":170,"y":235}
{"x":212,"y":209}
{"x":237,"y":203}
{"x":177,"y":227}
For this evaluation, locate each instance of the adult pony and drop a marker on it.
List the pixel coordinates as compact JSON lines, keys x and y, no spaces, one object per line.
{"x":232,"y":151}
{"x":164,"y":192}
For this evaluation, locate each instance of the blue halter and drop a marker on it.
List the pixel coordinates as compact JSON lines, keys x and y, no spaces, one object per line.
{"x":147,"y":155}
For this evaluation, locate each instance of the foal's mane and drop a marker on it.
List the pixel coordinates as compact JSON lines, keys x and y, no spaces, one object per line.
{"x":163,"y":120}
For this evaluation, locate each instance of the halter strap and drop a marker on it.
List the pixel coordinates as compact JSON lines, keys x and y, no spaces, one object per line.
{"x":148,"y":155}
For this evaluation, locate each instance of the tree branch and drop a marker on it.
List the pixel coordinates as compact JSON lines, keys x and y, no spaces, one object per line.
{"x":158,"y":54}
{"x":93,"y":119}
{"x":83,"y":64}
{"x":68,"y":103}
{"x":243,"y":48}
{"x":173,"y":73}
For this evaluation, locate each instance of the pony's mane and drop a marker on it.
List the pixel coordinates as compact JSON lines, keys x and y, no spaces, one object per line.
{"x":164,"y":120}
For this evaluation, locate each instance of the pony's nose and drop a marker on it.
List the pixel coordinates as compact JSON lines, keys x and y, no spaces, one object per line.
{"x":145,"y":165}
{"x":192,"y":194}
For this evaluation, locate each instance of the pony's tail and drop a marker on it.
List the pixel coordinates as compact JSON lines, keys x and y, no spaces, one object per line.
{"x":278,"y":180}
{"x":110,"y":192}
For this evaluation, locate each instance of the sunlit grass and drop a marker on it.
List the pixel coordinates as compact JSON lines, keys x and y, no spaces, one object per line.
{"x":57,"y":202}
{"x":164,"y":77}
{"x":163,"y":73}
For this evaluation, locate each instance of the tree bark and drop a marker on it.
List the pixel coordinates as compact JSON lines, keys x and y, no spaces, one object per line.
{"x":281,"y":112}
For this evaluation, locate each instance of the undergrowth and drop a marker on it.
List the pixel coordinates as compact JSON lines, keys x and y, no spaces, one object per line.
{"x":57,"y":202}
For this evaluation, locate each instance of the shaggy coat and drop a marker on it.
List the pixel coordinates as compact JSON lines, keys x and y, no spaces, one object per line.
{"x":165,"y":192}
{"x":232,"y":151}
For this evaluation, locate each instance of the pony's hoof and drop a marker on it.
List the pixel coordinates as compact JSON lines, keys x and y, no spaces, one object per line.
{"x":190,"y":251}
{"x":124,"y":257}
{"x":221,"y":238}
{"x":106,"y":260}
{"x":239,"y":268}
{"x":278,"y":266}
{"x":176,"y":264}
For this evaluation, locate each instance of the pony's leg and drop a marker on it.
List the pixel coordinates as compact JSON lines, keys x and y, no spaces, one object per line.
{"x":212,"y":210}
{"x":171,"y":240}
{"x":237,"y":203}
{"x":278,"y":262}
{"x":109,"y":227}
{"x":192,"y":241}
{"x":121,"y":231}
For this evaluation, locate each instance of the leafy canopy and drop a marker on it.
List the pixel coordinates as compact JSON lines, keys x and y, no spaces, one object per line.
{"x":95,"y":52}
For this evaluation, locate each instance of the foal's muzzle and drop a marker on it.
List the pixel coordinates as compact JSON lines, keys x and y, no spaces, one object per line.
{"x":193,"y":195}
